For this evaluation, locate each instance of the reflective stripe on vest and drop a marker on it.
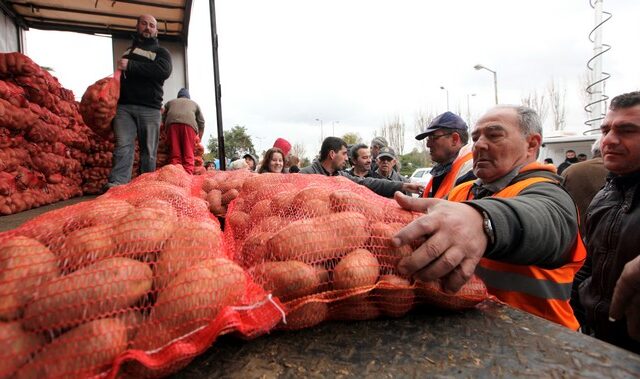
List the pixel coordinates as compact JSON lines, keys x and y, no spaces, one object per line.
{"x":449,"y":180}
{"x":543,"y":292}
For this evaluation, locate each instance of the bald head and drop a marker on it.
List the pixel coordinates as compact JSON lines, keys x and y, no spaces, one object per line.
{"x":147,"y":26}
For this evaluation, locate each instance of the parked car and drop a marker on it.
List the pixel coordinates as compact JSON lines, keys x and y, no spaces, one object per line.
{"x":421,"y":176}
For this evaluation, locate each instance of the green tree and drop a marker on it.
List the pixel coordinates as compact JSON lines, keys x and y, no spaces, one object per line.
{"x":413,"y":160}
{"x":352,"y":138}
{"x":236,"y":143}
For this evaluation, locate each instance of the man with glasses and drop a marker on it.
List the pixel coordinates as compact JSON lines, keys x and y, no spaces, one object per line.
{"x":446,"y":135}
{"x":386,"y":160}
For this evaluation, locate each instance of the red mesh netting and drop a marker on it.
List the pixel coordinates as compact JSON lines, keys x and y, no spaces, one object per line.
{"x":140,"y":280}
{"x":99,"y":103}
{"x":135,"y":281}
{"x":322,"y":245}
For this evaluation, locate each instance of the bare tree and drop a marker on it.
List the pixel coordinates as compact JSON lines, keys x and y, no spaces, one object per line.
{"x":298,"y":150}
{"x":393,"y":131}
{"x":557,"y":94}
{"x":538,"y":102}
{"x":422,"y":120}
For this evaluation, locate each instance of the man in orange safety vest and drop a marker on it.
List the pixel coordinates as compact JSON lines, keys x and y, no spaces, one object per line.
{"x":515,"y":226}
{"x":445,"y":137}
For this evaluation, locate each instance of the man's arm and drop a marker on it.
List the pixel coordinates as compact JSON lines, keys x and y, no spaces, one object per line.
{"x":537,"y":227}
{"x":200,"y":121}
{"x":626,"y":298}
{"x":383,"y":187}
{"x":160,"y":68}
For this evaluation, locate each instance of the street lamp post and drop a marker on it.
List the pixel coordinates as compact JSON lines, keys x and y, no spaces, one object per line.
{"x":442,"y":87}
{"x":469,"y":108}
{"x":333,"y":127}
{"x":321,"y":130}
{"x":495,"y":79}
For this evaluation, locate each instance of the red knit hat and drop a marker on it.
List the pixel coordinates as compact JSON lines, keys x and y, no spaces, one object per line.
{"x":283,"y":145}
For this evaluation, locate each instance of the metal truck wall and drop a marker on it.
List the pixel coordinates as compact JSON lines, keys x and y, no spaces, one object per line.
{"x":177,"y":79}
{"x":9,"y":34}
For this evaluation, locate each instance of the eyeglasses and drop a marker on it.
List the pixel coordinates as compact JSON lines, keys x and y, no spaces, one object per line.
{"x":435,"y":137}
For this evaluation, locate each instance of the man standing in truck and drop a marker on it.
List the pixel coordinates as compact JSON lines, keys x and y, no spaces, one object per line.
{"x":145,"y":65}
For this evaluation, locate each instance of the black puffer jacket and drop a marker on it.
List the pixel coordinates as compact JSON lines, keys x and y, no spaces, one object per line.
{"x":612,"y":240}
{"x":149,"y":66}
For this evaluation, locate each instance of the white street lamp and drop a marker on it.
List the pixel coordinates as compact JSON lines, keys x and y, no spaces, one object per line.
{"x":321,"y":130}
{"x":495,"y":79}
{"x":469,"y":109}
{"x":442,"y":87}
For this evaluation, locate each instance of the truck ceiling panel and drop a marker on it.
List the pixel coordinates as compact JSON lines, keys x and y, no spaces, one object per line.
{"x":103,"y":16}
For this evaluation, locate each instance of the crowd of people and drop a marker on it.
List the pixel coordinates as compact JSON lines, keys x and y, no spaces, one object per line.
{"x":491,"y":209}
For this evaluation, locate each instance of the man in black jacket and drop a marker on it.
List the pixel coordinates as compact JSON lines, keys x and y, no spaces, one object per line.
{"x":333,"y":158}
{"x":609,"y":282}
{"x":145,"y":66}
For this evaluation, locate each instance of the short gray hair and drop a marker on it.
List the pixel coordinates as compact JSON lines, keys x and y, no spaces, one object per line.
{"x":528,"y":119}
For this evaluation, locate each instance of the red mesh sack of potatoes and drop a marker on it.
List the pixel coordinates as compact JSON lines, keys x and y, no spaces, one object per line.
{"x":134,"y":281}
{"x":99,"y":103}
{"x":220,"y":188}
{"x":322,"y":245}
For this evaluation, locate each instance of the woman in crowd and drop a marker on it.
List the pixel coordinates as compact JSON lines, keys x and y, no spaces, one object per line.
{"x":273,"y":161}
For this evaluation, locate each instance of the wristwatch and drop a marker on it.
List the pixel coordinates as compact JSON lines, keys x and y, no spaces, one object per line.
{"x":488,"y":228}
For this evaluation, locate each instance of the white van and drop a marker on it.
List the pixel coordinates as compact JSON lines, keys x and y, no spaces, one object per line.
{"x":555,"y":147}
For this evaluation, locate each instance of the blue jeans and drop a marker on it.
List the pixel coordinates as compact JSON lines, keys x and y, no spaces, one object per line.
{"x":131,"y":122}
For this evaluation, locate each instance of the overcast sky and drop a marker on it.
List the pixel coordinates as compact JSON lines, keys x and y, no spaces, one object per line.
{"x":356,"y":64}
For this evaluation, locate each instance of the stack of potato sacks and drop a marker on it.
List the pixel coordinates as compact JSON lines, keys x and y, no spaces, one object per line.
{"x":43,"y":140}
{"x":323,"y":246}
{"x":121,"y":277}
{"x":142,"y":279}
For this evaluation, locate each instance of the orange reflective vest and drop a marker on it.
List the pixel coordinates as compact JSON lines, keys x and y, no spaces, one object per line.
{"x":450,"y":179}
{"x":542,"y":292}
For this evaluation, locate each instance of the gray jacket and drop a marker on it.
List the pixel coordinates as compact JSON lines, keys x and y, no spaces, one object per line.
{"x":382,"y":187}
{"x":537,"y":227}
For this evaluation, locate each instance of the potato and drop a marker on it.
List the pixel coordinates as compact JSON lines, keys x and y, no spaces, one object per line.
{"x":196,"y":296}
{"x":381,"y":246}
{"x":215,"y":203}
{"x":239,"y":223}
{"x":260,"y":210}
{"x":347,"y":201}
{"x":193,"y":207}
{"x":174,"y":174}
{"x":84,"y":351}
{"x":162,"y":206}
{"x":86,"y":246}
{"x":310,"y":193}
{"x":141,"y":232}
{"x":395,"y":214}
{"x":98,"y":212}
{"x":305,"y":316}
{"x":271,"y":224}
{"x":393,"y":295}
{"x":287,"y":280}
{"x":321,"y":238}
{"x":255,"y":249}
{"x":313,"y":208}
{"x":18,"y":346}
{"x":25,"y":264}
{"x":324,"y":278}
{"x":187,"y":246}
{"x":228,"y":196}
{"x":358,"y":308}
{"x":209,"y":184}
{"x":471,"y":294}
{"x":281,"y":203}
{"x":91,"y":292}
{"x":357,"y":269}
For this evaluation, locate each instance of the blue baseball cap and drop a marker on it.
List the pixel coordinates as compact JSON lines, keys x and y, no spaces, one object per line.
{"x":447,"y":120}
